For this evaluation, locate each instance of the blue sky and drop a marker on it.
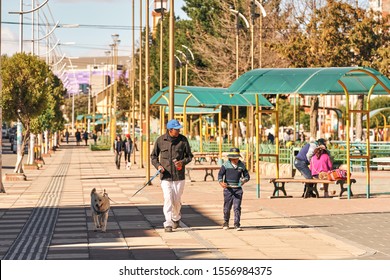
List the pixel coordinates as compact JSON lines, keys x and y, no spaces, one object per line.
{"x":101,"y":17}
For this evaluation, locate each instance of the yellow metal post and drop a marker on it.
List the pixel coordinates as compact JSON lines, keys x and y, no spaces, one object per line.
{"x":257,"y":148}
{"x":220,"y":133}
{"x":277,"y":135}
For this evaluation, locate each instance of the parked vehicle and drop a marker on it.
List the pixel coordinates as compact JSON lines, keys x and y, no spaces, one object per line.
{"x":4,"y":131}
{"x":12,"y":134}
{"x":14,"y":147}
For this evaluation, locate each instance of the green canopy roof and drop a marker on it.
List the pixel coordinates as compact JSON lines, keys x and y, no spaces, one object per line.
{"x":204,"y":97}
{"x":310,"y":81}
{"x":90,"y":117}
{"x":195,"y":111}
{"x":375,"y":112}
{"x":97,"y":116}
{"x":80,"y":117}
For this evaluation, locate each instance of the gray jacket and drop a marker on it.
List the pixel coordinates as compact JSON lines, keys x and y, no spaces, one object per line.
{"x":165,"y":150}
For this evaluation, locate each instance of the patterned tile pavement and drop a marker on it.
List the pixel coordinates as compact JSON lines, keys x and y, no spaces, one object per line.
{"x":49,"y":217}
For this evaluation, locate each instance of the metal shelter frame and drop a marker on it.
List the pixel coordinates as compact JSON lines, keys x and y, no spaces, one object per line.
{"x":204,"y":98}
{"x":313,"y":81}
{"x":374,"y":113}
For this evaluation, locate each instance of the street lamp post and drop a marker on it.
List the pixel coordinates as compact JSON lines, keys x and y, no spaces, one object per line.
{"x":255,"y":15}
{"x":147,"y":91}
{"x":72,"y":67}
{"x":238,"y":15}
{"x":141,"y":160}
{"x":185,"y":67}
{"x":160,"y":8}
{"x":172,"y":60}
{"x":187,"y":61}
{"x":180,"y":71}
{"x":133,"y":74}
{"x":108,"y":96}
{"x":116,"y":41}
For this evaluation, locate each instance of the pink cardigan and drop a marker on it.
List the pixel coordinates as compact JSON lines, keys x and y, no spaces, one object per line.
{"x":322,"y":164}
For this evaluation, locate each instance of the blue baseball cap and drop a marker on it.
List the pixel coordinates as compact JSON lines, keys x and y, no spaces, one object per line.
{"x":174,"y":124}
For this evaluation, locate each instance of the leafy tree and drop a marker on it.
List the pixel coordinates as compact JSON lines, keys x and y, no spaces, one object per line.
{"x":334,"y":35}
{"x":379,"y":103}
{"x":27,"y":83}
{"x":80,"y":105}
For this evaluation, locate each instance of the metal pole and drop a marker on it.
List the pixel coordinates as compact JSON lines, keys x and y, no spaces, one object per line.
{"x":147,"y":91}
{"x":172,"y":60}
{"x":141,"y":163}
{"x":133,"y":76}
{"x":21,"y":27}
{"x":2,"y":189}
{"x":162,"y":108}
{"x":161,"y":46}
{"x":89,"y":100}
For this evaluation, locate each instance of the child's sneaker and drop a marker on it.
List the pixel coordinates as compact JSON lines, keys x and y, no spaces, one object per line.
{"x":225,"y":226}
{"x":238,"y":228}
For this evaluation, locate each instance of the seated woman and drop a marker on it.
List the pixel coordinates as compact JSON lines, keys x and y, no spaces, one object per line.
{"x":320,"y":162}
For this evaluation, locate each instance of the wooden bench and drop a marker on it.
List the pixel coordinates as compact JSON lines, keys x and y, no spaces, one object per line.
{"x":207,"y":168}
{"x":199,"y":157}
{"x":279,"y":185}
{"x":382,"y":162}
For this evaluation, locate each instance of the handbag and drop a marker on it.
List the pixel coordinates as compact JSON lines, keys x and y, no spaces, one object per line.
{"x":337,"y":174}
{"x":323,"y":175}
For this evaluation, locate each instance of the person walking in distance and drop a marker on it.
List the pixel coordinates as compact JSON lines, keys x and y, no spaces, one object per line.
{"x":118,"y":150}
{"x":67,"y":136}
{"x":128,"y":147}
{"x":231,"y":177}
{"x":85,"y":137}
{"x":78,"y":137}
{"x":170,"y":155}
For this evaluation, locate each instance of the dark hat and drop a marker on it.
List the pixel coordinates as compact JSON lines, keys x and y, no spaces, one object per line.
{"x":174,"y":124}
{"x":321,"y":141}
{"x":234,"y":153}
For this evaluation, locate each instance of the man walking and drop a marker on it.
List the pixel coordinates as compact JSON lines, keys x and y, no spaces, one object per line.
{"x":170,"y":154}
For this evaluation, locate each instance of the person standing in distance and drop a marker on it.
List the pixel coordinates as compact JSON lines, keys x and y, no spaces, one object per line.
{"x":170,"y":154}
{"x":302,"y":161}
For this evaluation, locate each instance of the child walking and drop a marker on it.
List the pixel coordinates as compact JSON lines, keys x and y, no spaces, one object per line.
{"x":232,"y":175}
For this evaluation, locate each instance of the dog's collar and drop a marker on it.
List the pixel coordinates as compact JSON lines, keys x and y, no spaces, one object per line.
{"x":99,"y":212}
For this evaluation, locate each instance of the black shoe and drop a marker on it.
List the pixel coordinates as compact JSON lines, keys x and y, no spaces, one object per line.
{"x":168,"y":229}
{"x":237,"y":227}
{"x":225,"y":226}
{"x":176,"y":224}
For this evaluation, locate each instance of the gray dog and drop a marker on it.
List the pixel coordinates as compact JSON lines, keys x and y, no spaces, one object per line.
{"x":100,"y":205}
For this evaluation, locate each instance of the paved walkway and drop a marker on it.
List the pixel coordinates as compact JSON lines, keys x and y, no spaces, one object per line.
{"x":48,"y":217}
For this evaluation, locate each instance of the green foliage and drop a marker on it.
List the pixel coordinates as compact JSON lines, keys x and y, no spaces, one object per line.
{"x":337,"y":35}
{"x":80,"y":105}
{"x":52,"y":116}
{"x":206,"y":15}
{"x":27,"y":83}
{"x":379,"y":103}
{"x":100,"y":147}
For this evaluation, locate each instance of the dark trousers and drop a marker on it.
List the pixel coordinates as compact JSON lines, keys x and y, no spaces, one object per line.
{"x":305,"y":171}
{"x":232,"y":197}
{"x":118,"y":160}
{"x":127,"y":157}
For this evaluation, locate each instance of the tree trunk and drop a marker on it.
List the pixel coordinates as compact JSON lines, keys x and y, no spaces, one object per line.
{"x":314,"y":101}
{"x":31,"y":154}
